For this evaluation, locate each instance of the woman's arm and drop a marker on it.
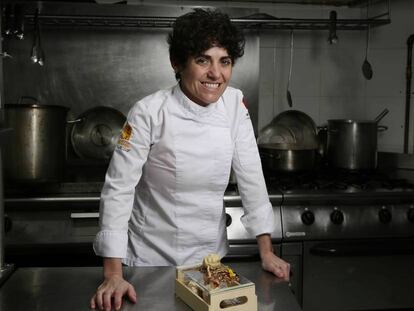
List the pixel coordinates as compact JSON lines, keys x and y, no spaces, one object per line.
{"x":114,"y":287}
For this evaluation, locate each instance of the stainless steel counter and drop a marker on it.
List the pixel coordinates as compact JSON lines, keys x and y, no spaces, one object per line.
{"x":71,"y":288}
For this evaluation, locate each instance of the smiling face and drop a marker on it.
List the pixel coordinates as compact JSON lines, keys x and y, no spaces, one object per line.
{"x":206,"y":76}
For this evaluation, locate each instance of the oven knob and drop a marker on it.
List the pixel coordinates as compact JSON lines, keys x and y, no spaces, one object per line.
{"x":410,"y":214}
{"x":384,"y":215}
{"x":228,"y":220}
{"x":308,"y":217}
{"x":337,"y":217}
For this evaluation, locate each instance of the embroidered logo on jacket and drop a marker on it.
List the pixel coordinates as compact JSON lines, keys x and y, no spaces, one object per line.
{"x":126,"y":134}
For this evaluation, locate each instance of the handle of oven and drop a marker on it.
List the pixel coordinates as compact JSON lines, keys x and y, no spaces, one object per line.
{"x":84,"y":215}
{"x":367,"y":248}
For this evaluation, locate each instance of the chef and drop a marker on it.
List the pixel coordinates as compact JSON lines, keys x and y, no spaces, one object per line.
{"x":162,"y":201}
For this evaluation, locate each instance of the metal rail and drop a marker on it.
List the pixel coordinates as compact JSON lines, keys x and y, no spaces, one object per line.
{"x":269,"y":22}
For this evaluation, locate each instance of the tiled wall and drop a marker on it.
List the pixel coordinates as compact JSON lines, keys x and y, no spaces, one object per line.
{"x":327,"y":80}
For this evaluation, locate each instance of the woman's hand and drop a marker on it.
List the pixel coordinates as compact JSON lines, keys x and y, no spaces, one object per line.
{"x":276,"y":265}
{"x":270,"y":262}
{"x":112,"y":289}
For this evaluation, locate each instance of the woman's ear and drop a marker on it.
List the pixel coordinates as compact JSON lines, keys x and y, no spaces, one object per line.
{"x":174,"y":65}
{"x":176,"y":68}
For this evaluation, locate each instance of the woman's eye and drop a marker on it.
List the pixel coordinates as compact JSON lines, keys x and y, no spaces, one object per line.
{"x":201,"y":60}
{"x":226,"y":62}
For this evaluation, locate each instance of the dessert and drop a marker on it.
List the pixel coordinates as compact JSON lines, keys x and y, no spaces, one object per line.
{"x":211,"y":286}
{"x":216,"y":274}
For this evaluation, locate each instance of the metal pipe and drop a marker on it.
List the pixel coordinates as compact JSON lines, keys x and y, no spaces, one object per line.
{"x":408,"y":76}
{"x":2,"y":230}
{"x":5,"y":270}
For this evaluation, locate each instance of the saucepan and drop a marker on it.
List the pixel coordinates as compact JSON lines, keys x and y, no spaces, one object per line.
{"x":352,"y":144}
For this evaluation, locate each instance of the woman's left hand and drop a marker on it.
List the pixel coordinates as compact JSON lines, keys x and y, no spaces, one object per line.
{"x":276,"y":265}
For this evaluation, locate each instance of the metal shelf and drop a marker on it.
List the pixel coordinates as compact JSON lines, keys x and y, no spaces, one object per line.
{"x":246,"y":23}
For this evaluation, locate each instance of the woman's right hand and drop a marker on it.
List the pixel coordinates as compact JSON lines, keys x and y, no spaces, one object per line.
{"x":112,"y":290}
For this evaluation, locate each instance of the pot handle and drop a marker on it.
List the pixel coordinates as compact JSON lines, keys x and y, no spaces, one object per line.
{"x":75,"y":121}
{"x":382,"y":128}
{"x":21,"y":98}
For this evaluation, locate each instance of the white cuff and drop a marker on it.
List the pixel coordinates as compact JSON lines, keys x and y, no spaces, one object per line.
{"x":260,"y":221}
{"x":111,"y":244}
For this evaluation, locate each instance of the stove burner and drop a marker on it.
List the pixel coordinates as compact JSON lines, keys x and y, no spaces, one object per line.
{"x":335,"y":179}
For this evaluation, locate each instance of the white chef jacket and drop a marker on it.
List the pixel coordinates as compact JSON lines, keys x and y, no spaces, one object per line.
{"x":162,"y":200}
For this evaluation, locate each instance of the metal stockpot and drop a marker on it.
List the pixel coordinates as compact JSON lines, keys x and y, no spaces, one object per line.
{"x":36,"y":152}
{"x":353,"y":144}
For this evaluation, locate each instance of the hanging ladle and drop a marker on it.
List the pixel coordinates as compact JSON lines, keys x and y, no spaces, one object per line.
{"x":366,"y":66}
{"x":381,"y":115}
{"x":288,"y":94}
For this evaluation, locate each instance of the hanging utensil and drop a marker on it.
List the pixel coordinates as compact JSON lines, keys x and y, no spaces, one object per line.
{"x":381,"y":115}
{"x":288,"y":94}
{"x":18,"y":30}
{"x":41,"y":53}
{"x":34,"y":56}
{"x":366,"y":65}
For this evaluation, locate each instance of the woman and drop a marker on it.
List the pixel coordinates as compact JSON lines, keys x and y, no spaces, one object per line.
{"x":162,"y":202}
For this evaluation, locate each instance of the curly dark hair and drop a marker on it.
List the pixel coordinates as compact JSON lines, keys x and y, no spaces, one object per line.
{"x":197,"y":31}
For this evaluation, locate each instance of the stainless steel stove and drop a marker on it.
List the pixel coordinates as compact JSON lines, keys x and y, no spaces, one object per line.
{"x":346,"y":231}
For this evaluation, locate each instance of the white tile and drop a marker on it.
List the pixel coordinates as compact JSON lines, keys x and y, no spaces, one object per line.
{"x":341,"y":73}
{"x":305,"y":78}
{"x":388,"y":67}
{"x":341,"y":108}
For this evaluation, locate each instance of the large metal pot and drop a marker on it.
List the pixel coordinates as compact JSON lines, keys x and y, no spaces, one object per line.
{"x":352,"y":144}
{"x":36,"y":152}
{"x":281,"y":157}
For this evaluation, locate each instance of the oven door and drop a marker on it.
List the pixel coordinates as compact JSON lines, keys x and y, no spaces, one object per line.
{"x":358,"y":275}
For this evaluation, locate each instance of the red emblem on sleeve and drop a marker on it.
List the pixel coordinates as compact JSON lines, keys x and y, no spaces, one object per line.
{"x":244,"y":102}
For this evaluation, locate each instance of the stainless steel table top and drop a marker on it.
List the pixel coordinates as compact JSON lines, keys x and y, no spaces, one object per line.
{"x":70,"y":288}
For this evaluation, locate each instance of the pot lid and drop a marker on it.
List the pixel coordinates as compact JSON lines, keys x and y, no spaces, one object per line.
{"x":95,"y":133}
{"x":291,"y":129}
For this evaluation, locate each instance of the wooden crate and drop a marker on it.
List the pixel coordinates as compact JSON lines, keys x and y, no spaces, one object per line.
{"x":215,"y":300}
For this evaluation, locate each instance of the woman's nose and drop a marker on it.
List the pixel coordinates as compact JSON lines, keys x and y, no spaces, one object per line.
{"x":214,"y":71}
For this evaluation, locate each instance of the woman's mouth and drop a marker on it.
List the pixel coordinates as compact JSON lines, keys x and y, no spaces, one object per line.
{"x":211,"y":85}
